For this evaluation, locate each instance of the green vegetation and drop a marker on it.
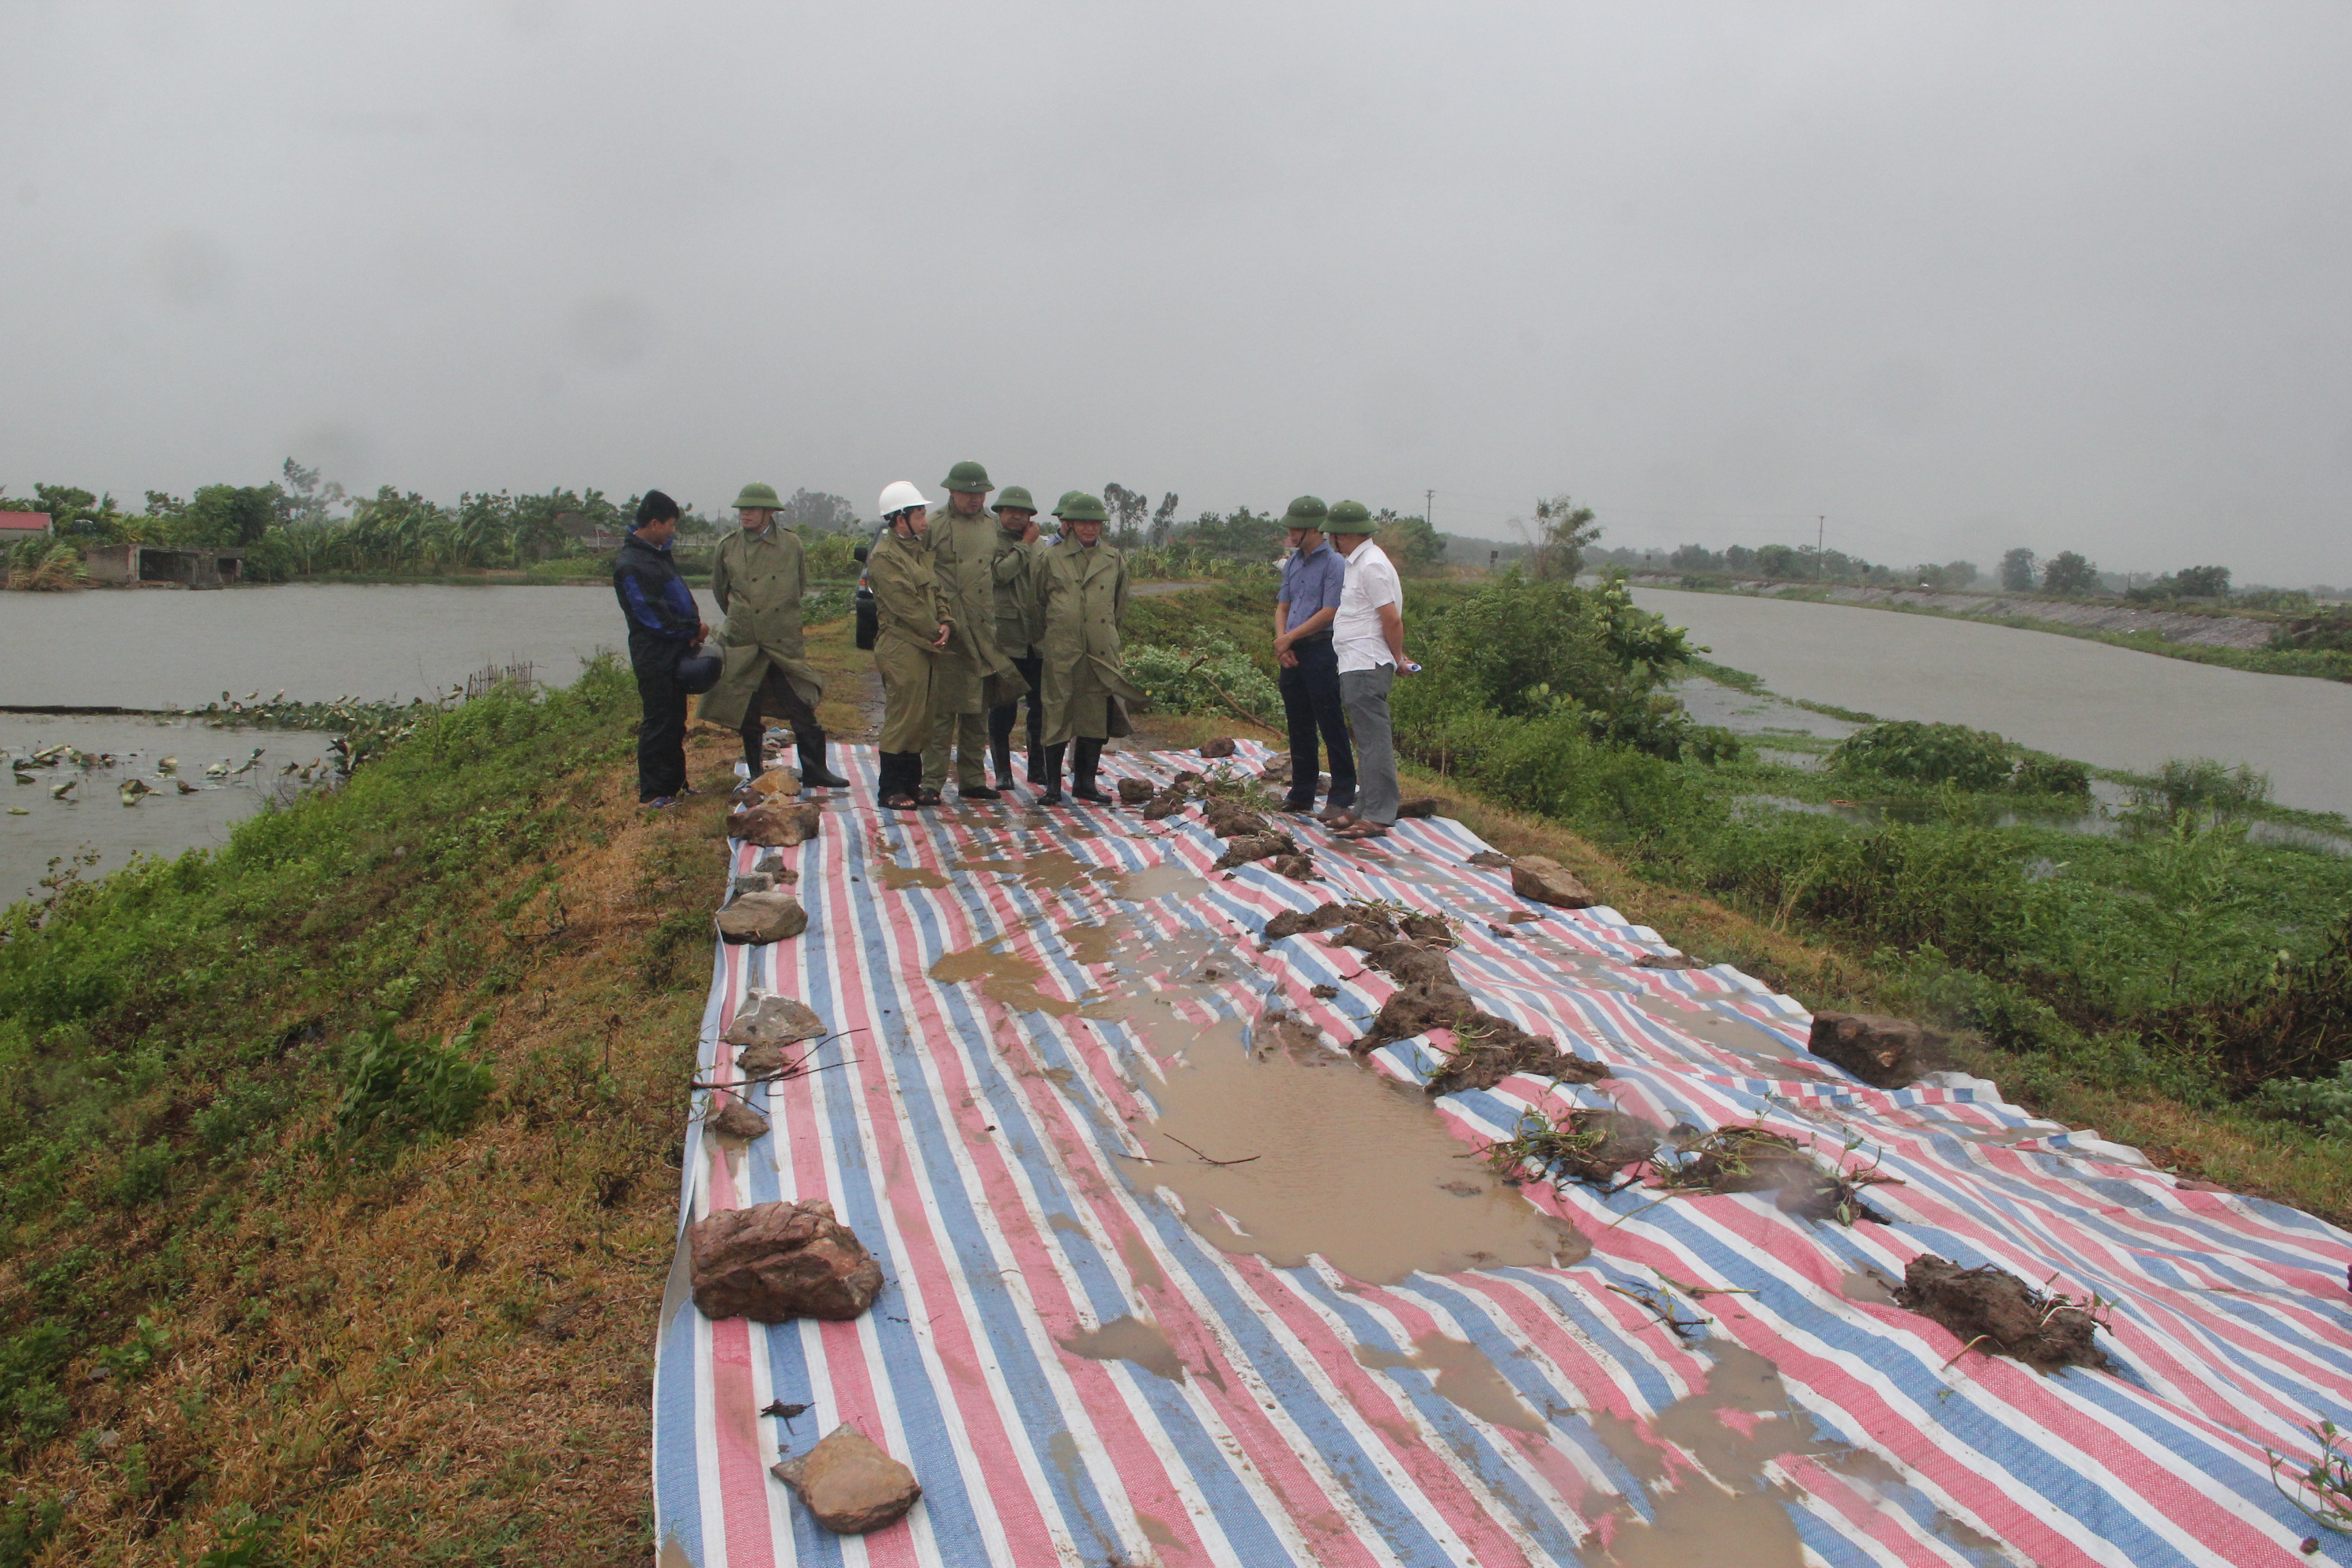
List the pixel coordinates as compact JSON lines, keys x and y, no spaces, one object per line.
{"x":284,"y":1240}
{"x":1907,"y":752}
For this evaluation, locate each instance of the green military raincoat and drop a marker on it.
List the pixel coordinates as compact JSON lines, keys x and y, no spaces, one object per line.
{"x":1016,"y":607}
{"x":908,"y":610}
{"x":758,"y":582}
{"x":963,"y":559}
{"x":1079,"y":595}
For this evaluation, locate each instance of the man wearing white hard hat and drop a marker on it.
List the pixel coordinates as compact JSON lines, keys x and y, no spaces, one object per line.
{"x":911,"y":630}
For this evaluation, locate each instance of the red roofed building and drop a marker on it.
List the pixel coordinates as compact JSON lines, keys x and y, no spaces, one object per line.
{"x":15,"y":526}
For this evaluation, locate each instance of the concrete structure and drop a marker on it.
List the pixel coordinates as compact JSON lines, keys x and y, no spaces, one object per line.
{"x":16,"y":527}
{"x":126,"y":565}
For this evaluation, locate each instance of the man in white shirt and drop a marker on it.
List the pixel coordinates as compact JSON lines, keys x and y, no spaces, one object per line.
{"x":1369,"y":636}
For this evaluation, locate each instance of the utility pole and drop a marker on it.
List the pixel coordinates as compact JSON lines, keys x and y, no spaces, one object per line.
{"x":1821,"y":533}
{"x":1429,"y":508}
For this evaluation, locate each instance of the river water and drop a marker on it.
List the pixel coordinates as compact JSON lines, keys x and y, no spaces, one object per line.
{"x":166,"y":649}
{"x":2106,"y":706}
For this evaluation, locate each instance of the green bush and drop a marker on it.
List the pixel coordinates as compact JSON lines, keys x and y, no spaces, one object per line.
{"x":398,"y":1090}
{"x":2323,"y":1103}
{"x":1215,"y":677}
{"x":2202,"y":784}
{"x":1908,"y":752}
{"x":2038,"y":774}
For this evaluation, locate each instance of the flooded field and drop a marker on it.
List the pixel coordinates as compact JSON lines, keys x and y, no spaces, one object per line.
{"x":2109,"y":707}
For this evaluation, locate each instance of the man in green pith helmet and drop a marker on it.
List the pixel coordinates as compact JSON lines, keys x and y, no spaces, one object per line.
{"x":963,"y":548}
{"x":1080,"y":588}
{"x":1016,"y":521}
{"x":758,"y":576}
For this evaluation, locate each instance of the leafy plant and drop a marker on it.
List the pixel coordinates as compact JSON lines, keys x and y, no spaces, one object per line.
{"x":400,"y":1088}
{"x":2322,"y":1486}
{"x":2324,"y":1103}
{"x":1214,"y":677}
{"x":1913,"y":752}
{"x":2202,"y":784}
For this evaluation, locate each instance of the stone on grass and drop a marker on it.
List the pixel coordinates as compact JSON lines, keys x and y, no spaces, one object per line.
{"x":1546,"y":881}
{"x":777,"y":823}
{"x":1883,"y":1052}
{"x":775,"y":1262}
{"x":850,"y":1483}
{"x":762,"y":918}
{"x":736,"y":1119}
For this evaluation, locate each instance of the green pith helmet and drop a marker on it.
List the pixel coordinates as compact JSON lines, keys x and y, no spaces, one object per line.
{"x":760,"y":496}
{"x":1080,"y":506}
{"x":1349,"y":517}
{"x":1306,"y":511}
{"x":970,"y":478}
{"x":1061,"y":507}
{"x":1014,"y":495}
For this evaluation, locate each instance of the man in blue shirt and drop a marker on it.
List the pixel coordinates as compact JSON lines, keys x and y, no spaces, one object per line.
{"x":664,"y":629}
{"x":1311,"y":582}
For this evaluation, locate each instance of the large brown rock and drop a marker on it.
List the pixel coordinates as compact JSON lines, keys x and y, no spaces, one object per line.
{"x":763,"y":916}
{"x":773,"y":1262}
{"x":1881,"y":1051}
{"x":765,"y":1018}
{"x":777,"y":822}
{"x":1221,"y":747}
{"x":1546,"y":881}
{"x":735,"y":1119}
{"x":1134,"y":792}
{"x":850,"y":1483}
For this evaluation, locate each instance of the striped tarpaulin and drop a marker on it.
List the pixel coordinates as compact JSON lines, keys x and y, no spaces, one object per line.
{"x":979,"y":1135}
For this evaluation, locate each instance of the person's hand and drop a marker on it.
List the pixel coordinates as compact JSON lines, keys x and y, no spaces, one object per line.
{"x":702,"y":631}
{"x":940,"y":641}
{"x":1029,"y":534}
{"x":1289,"y":661}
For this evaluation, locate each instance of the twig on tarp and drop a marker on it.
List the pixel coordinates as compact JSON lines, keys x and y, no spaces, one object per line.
{"x":1203,"y":1158}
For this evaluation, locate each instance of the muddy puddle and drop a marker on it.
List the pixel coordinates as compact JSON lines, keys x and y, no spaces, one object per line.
{"x":1722,"y":1031}
{"x":1741,"y":1424}
{"x":1462,"y":1375}
{"x":1002,"y":977}
{"x":1048,"y":870}
{"x":1324,"y":1157}
{"x":1128,"y":1339}
{"x":1164,"y":880}
{"x":899,"y":879}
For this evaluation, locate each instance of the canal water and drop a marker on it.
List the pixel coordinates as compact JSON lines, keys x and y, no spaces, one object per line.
{"x":2106,"y":706}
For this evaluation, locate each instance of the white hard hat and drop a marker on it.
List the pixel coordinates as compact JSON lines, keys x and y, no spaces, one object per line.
{"x":900,"y":494}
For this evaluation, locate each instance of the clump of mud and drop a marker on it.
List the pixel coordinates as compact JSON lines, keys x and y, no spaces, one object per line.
{"x":1486,"y":1050}
{"x":1229,"y":818}
{"x":1747,"y":1159}
{"x":1411,"y":963}
{"x":1364,"y":923}
{"x":1254,"y":846}
{"x":1171,"y":798}
{"x":1590,"y":1146}
{"x":1992,"y":1310}
{"x":1135,"y":792}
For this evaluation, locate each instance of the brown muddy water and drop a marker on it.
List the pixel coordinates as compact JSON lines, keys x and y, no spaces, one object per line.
{"x":1323,"y":1156}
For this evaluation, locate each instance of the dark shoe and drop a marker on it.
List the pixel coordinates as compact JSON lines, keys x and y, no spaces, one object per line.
{"x":1036,"y":764}
{"x":1052,"y":795}
{"x":754,"y":763}
{"x":1000,"y":754}
{"x":978,"y":792}
{"x":925,"y":796}
{"x":814,"y":774}
{"x":895,"y":781}
{"x":1291,"y":803}
{"x":1088,"y":758}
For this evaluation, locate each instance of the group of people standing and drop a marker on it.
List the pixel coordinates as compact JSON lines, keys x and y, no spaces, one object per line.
{"x":975,"y":610}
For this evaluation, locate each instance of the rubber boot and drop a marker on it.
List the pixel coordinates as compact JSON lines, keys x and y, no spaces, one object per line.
{"x":753,"y":762}
{"x":1089,"y":757}
{"x":1000,"y":751}
{"x":1036,"y":764}
{"x":814,"y":774}
{"x":1052,"y":795}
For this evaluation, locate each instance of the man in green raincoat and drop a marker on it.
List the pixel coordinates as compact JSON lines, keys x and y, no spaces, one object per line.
{"x":757,"y":577}
{"x":963,"y":544}
{"x":911,"y":635}
{"x":1080,"y":589}
{"x":1016,"y":518}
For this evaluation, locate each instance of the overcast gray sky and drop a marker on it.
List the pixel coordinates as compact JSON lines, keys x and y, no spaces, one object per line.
{"x":1960,"y":277}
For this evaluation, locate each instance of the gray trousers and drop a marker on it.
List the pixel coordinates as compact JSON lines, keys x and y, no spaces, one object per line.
{"x":1364,"y":693}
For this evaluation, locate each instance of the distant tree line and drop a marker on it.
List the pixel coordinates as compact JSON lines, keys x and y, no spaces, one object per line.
{"x":1793,"y":564}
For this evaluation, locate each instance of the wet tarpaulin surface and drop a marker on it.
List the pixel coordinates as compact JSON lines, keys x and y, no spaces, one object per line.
{"x":1098,"y":1348}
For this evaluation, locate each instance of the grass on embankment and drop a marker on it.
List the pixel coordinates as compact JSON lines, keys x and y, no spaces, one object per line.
{"x":227,"y":1336}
